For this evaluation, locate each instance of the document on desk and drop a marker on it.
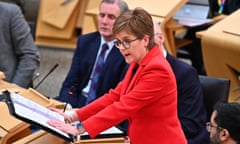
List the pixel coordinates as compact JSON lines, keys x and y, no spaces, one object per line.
{"x":34,"y":113}
{"x":38,"y":115}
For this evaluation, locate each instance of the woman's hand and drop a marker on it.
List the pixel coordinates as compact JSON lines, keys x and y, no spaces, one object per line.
{"x":67,"y":128}
{"x":68,"y":118}
{"x":60,"y":112}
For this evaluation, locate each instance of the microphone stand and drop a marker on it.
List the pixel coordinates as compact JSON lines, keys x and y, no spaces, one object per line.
{"x":52,"y":69}
{"x":70,"y":93}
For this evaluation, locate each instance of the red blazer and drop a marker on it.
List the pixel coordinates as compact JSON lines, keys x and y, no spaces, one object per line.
{"x":148,"y":100}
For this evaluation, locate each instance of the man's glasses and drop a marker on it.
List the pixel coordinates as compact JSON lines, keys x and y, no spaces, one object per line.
{"x":126,"y":43}
{"x":209,"y":125}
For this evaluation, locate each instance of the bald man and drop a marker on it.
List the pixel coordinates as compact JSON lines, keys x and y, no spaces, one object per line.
{"x":191,"y":110}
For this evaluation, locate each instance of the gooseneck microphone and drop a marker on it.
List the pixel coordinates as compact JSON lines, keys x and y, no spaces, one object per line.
{"x":70,"y":93}
{"x":51,"y":70}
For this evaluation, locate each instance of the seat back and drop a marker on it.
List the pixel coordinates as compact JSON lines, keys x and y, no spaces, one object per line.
{"x":214,"y":90}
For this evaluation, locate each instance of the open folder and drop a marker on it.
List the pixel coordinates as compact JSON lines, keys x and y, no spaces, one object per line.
{"x":33,"y":113}
{"x":38,"y":115}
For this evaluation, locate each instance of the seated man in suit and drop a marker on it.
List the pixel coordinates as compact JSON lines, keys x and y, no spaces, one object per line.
{"x":87,"y":80}
{"x":191,"y":110}
{"x":224,"y":125}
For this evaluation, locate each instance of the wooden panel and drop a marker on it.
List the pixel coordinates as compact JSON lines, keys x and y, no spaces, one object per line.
{"x":159,"y":8}
{"x":2,"y":75}
{"x":60,"y":15}
{"x":8,"y":122}
{"x":221,"y":52}
{"x":59,"y":30}
{"x":2,"y":132}
{"x":46,"y":30}
{"x":40,"y":137}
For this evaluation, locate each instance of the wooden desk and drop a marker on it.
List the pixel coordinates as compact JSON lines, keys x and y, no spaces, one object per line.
{"x":4,"y":85}
{"x":157,"y":8}
{"x":221,"y":51}
{"x":2,"y":75}
{"x":57,"y":24}
{"x":161,"y":10}
{"x":41,"y":137}
{"x":93,"y":12}
{"x":171,"y":27}
{"x":12,"y":129}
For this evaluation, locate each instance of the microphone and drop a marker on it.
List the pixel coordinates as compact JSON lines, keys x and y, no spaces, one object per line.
{"x":70,"y":93}
{"x":51,"y":70}
{"x":36,"y":75}
{"x":66,"y":2}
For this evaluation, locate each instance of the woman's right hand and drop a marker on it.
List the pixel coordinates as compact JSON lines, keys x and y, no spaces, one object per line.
{"x":67,"y":117}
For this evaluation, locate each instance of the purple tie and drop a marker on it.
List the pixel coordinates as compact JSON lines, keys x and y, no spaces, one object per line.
{"x":95,"y":75}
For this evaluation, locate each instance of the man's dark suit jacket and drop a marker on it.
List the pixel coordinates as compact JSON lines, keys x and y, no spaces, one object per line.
{"x":191,"y":110}
{"x":82,"y":64}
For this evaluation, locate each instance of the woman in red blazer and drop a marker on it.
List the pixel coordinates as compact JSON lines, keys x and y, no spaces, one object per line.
{"x":147,"y":96}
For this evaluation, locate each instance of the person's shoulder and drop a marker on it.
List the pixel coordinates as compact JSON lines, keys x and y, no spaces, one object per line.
{"x":9,"y":9}
{"x":180,"y":66}
{"x":176,"y":61}
{"x":86,"y":39}
{"x":8,"y":6}
{"x":90,"y":35}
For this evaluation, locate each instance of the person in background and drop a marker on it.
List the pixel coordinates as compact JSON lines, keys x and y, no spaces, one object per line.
{"x":80,"y":77}
{"x":218,"y":10}
{"x":191,"y":110}
{"x":19,"y":57}
{"x":221,"y":8}
{"x":147,"y":96}
{"x":224,"y":125}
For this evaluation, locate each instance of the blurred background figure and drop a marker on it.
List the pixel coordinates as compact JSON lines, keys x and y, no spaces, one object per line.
{"x":19,"y":57}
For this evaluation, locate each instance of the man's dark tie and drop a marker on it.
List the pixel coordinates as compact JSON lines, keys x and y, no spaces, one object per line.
{"x":95,"y":75}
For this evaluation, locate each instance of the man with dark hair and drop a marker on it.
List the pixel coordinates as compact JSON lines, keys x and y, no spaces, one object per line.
{"x":224,"y":126}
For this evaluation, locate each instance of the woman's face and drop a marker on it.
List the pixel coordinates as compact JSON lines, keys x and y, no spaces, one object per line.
{"x":132,"y":48}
